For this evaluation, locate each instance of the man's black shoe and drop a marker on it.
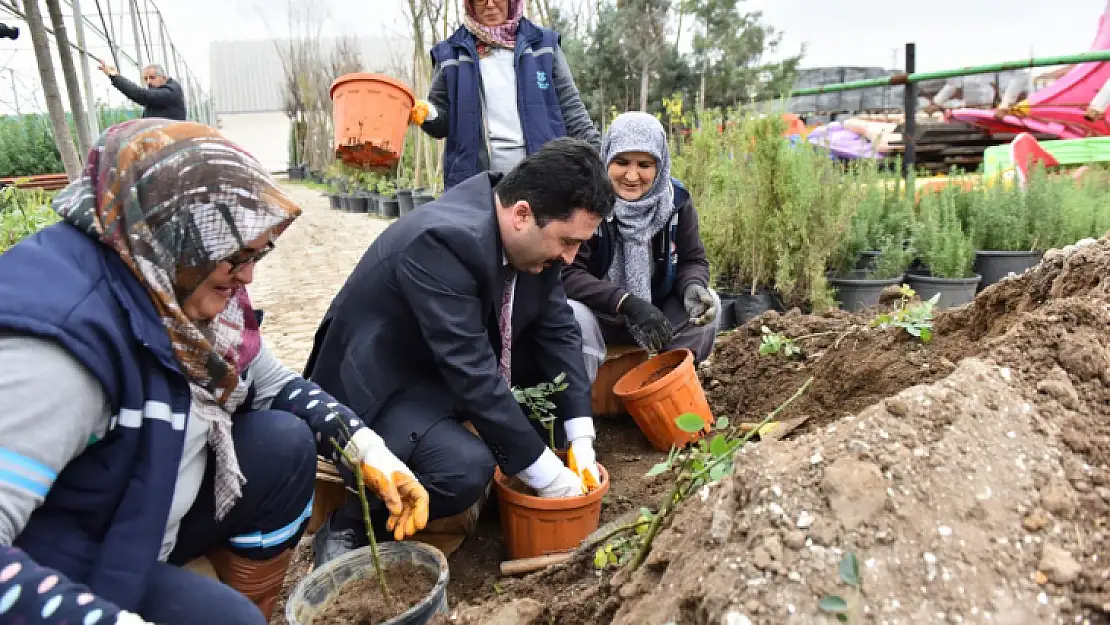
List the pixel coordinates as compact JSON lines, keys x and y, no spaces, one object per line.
{"x":328,"y":544}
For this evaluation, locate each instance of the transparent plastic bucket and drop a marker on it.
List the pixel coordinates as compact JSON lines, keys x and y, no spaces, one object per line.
{"x":312,"y":594}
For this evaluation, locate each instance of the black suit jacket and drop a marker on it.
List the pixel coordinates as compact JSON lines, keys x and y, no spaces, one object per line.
{"x":419,"y":315}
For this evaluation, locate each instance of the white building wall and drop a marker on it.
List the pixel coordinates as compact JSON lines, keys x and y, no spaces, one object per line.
{"x":264,"y":134}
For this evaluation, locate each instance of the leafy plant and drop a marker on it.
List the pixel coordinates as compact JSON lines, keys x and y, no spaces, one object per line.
{"x":915,"y":318}
{"x":537,"y":400}
{"x":939,"y":235}
{"x":706,"y":462}
{"x":23,"y":212}
{"x":777,"y":343}
{"x":386,"y":188}
{"x":846,"y":610}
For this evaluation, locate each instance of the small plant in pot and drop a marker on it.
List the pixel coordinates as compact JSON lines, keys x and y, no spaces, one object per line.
{"x":946,"y":250}
{"x":873,"y":254}
{"x":388,"y":191}
{"x":353,"y":588}
{"x":535,"y":526}
{"x":1002,"y":220}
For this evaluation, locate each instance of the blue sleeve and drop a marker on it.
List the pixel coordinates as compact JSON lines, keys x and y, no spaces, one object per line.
{"x":34,"y":595}
{"x":326,"y":417}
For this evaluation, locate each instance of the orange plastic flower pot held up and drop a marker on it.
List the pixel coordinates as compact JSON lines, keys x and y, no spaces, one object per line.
{"x":533,"y":526}
{"x":371,"y":115}
{"x":660,"y":390}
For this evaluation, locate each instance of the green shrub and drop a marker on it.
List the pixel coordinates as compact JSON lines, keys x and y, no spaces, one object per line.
{"x":939,"y":236}
{"x":23,"y":213}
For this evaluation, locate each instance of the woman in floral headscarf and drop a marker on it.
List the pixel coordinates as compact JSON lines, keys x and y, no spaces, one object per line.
{"x":143,"y":422}
{"x":501,"y":90}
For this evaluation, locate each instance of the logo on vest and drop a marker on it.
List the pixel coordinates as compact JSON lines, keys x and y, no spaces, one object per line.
{"x":541,"y":80}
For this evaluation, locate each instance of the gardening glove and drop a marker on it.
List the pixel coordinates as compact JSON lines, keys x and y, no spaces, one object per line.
{"x":583,"y":461}
{"x":393,"y":482}
{"x":567,"y":483}
{"x":647,"y":324}
{"x":422,"y":111}
{"x":699,"y":304}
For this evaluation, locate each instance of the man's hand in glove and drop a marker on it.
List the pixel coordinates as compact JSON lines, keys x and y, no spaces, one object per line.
{"x":421,"y":112}
{"x":647,"y":324}
{"x":699,"y":304}
{"x":566,"y":484}
{"x":393,"y":482}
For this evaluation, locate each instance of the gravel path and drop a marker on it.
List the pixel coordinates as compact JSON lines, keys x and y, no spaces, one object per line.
{"x":295,"y":284}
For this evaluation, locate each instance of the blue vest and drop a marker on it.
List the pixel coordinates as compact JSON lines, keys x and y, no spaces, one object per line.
{"x":104,"y":518}
{"x":541,"y":117}
{"x":664,"y":252}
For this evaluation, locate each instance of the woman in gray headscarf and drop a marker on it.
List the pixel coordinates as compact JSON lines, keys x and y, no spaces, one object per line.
{"x":643,"y":278}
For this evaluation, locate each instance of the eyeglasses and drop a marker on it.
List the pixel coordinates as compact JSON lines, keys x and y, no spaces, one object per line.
{"x":247,"y":256}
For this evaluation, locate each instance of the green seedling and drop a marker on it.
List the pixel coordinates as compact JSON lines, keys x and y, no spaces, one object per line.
{"x":915,"y":318}
{"x":537,"y":400}
{"x":777,"y":343}
{"x":846,"y":610}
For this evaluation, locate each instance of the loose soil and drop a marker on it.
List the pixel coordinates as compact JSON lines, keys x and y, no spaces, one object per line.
{"x":968,"y":475}
{"x":360,"y":601}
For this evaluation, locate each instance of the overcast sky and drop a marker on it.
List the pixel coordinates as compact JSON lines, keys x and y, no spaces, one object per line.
{"x":948,"y":33}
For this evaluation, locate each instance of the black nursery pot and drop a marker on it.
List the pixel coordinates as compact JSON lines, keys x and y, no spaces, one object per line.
{"x":404,"y":200}
{"x":390,"y":207}
{"x":995,"y":265}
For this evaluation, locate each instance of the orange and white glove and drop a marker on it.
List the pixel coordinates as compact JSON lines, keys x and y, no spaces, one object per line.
{"x":583,"y":460}
{"x":393,"y":482}
{"x":422,"y":111}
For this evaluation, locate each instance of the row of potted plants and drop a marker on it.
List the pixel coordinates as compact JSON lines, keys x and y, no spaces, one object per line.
{"x":785,"y":225}
{"x":358,"y":191}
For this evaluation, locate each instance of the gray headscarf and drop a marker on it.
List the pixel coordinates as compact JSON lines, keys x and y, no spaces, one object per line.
{"x":639,"y":220}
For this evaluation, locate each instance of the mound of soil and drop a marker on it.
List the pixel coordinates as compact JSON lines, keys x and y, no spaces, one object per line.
{"x":969,"y":476}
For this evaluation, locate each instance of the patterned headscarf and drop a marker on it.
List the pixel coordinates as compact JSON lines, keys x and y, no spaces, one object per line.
{"x":639,"y":220}
{"x":174,"y":199}
{"x":501,"y":36}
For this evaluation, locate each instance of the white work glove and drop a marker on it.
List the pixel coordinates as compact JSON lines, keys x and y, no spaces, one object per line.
{"x":392,"y":481}
{"x":128,"y":618}
{"x":583,"y":461}
{"x":567,"y":483}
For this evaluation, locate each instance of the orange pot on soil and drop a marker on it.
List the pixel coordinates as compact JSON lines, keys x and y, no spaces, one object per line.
{"x":661,"y":389}
{"x":371,"y":116}
{"x":534,"y":526}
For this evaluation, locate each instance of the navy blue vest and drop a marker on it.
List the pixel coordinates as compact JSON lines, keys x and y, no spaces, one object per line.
{"x":541,"y":117}
{"x":104,"y":517}
{"x":664,"y":253}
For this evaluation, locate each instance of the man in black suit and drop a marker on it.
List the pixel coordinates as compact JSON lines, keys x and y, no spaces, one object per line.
{"x":419,"y":339}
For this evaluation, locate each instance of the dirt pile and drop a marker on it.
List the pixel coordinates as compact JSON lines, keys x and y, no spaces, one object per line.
{"x":969,"y":476}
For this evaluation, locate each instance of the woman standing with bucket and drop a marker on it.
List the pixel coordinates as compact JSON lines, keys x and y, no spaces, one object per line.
{"x":501,"y":90}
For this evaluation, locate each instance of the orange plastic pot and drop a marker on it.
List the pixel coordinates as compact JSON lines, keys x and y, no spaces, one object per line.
{"x":533,"y":526}
{"x":371,"y":115}
{"x":658,"y":391}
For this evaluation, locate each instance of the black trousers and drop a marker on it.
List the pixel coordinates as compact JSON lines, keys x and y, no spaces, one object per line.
{"x":453,"y":464}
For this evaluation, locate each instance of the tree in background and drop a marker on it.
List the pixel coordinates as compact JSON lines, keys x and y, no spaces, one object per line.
{"x":54,"y":106}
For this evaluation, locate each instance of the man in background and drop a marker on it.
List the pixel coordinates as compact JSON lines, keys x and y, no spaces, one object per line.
{"x":162,"y":97}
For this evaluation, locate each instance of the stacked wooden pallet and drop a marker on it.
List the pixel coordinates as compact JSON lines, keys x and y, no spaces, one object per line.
{"x":46,"y":182}
{"x":941,"y":145}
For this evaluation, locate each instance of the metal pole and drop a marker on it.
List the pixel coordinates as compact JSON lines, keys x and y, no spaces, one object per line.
{"x":15,"y":91}
{"x":134,"y":11}
{"x":92,"y":115}
{"x":909,"y":127}
{"x":905,"y":78}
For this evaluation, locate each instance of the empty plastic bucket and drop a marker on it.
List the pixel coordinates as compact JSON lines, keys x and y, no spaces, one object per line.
{"x":371,"y":116}
{"x":660,"y":390}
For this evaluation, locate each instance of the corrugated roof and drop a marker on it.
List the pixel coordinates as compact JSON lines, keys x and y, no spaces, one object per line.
{"x":247,"y":76}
